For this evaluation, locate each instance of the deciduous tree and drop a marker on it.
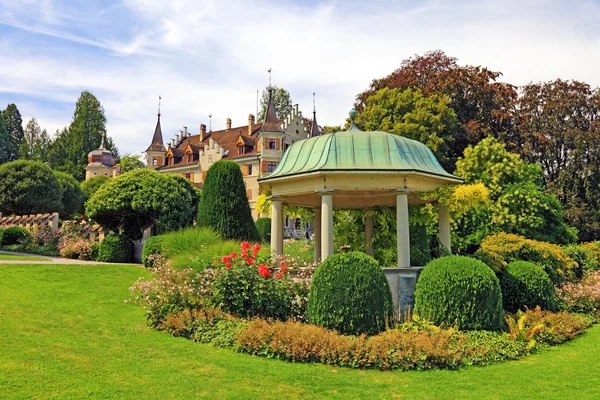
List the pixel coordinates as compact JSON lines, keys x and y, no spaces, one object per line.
{"x":281,"y":99}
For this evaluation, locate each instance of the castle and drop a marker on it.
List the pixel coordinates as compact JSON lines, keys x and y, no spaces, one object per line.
{"x":256,"y":147}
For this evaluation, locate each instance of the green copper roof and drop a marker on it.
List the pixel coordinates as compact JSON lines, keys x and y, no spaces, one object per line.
{"x":355,"y":150}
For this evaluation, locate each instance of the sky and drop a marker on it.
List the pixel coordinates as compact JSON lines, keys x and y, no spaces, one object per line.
{"x":210,"y":57}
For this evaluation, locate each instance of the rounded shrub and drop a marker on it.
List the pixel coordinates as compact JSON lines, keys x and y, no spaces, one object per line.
{"x":349,"y":293}
{"x":72,"y":196}
{"x":152,"y":246}
{"x":224,"y":205}
{"x":526,"y":285}
{"x":115,"y":248}
{"x":459,"y":291}
{"x":16,"y":235}
{"x":263,"y":225}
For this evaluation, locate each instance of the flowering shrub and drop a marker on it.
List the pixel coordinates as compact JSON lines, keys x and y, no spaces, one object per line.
{"x":247,"y":290}
{"x":73,"y":245}
{"x":582,"y":296}
{"x":46,"y":236}
{"x":171,"y":291}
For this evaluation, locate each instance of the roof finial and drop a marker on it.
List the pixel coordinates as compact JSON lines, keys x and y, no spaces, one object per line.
{"x":210,"y":122}
{"x":314,"y":107}
{"x":314,"y":129}
{"x":159,"y":98}
{"x":269,"y":71}
{"x":352,"y":115}
{"x":102,"y":142}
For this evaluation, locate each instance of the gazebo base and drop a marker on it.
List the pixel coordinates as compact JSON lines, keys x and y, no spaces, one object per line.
{"x":403,"y":281}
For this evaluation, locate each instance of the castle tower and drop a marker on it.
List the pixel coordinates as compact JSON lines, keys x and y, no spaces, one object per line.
{"x":155,"y":153}
{"x":270,"y":139}
{"x":100,"y":162}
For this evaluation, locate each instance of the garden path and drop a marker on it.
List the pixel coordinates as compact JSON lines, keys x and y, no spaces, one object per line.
{"x":49,"y":260}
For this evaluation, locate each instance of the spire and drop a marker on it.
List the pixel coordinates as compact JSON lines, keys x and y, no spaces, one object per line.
{"x":271,"y":123}
{"x":157,"y":140}
{"x":314,"y":129}
{"x":102,"y":142}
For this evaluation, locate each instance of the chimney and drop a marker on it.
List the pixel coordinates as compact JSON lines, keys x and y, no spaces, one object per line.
{"x":202,"y":132}
{"x":228,"y":123}
{"x":179,"y":137}
{"x":250,"y":124}
{"x":173,"y":142}
{"x":185,"y":132}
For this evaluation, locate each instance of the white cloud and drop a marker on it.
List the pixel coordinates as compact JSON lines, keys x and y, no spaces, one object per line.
{"x":208,"y":57}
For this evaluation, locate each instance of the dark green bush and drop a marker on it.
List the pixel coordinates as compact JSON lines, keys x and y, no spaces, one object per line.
{"x":72,"y":197}
{"x":224,"y":205}
{"x":349,"y":293}
{"x":152,"y":246}
{"x":526,"y":285}
{"x":459,"y":291}
{"x":1,"y":230}
{"x":263,"y":225}
{"x":115,"y":248}
{"x":16,"y":235}
{"x":586,"y":255}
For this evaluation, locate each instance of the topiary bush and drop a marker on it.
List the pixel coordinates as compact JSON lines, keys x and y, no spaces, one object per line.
{"x":115,"y":248}
{"x":349,"y":293}
{"x":263,"y":225}
{"x":224,"y":205}
{"x":497,"y":251}
{"x":526,"y":285}
{"x":16,"y":235}
{"x":459,"y":291}
{"x":152,"y":246}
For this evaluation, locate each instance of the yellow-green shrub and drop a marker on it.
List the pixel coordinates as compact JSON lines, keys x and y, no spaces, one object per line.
{"x":497,"y":251}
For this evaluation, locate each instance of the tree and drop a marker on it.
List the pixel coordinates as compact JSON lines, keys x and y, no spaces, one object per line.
{"x":410,"y":114}
{"x":141,"y":199}
{"x":482,"y":105}
{"x":28,"y":187}
{"x":559,"y":129}
{"x":224,"y":206}
{"x":36,"y":142}
{"x":129,"y":162}
{"x":14,"y":126}
{"x":281,"y":99}
{"x":5,"y":143}
{"x":90,"y":186}
{"x":518,"y":203}
{"x":72,"y":196}
{"x":71,"y":146}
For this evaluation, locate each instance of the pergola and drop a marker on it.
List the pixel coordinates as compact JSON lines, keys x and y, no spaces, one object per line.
{"x":355,"y":170}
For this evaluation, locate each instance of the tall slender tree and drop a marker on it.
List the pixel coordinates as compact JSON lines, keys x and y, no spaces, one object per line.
{"x":5,"y":143}
{"x":14,"y":126}
{"x":36,"y":142}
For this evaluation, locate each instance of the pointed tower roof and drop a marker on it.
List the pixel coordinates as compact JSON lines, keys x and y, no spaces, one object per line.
{"x":314,"y":129}
{"x":157,"y":140}
{"x":271,"y":122}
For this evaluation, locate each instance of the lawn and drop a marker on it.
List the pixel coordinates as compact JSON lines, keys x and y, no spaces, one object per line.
{"x":66,"y":332}
{"x":4,"y":256}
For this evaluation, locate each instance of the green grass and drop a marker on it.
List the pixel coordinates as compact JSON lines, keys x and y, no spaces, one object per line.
{"x":4,"y":256}
{"x":65,"y":332}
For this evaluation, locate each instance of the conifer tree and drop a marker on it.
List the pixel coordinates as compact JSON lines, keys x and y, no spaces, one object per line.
{"x":14,"y":126}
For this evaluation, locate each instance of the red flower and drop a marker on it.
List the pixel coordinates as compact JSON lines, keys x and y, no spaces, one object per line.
{"x":228,"y":265}
{"x":250,"y":260}
{"x":225,"y":259}
{"x":233,"y":254}
{"x":263,"y":270}
{"x":245,"y":245}
{"x":244,"y":253}
{"x":255,"y":249}
{"x":284,"y":269}
{"x":278,"y":275}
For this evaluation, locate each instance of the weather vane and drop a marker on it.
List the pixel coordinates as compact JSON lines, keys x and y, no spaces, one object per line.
{"x":314,"y":106}
{"x":269,"y":71}
{"x":159,"y":98}
{"x":210,"y":122}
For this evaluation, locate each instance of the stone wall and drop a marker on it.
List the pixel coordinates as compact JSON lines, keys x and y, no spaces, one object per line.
{"x":30,"y":221}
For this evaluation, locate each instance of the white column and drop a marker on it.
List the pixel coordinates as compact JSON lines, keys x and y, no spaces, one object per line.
{"x":444,"y":227}
{"x":326,"y":226}
{"x":369,"y":233}
{"x":402,"y":230}
{"x":317,"y":238}
{"x":276,"y":227}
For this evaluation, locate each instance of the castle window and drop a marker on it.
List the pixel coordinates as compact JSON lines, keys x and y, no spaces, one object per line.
{"x":272,"y":144}
{"x":154,"y":161}
{"x":285,"y":146}
{"x":249,"y":169}
{"x":271,"y":165}
{"x":188,"y":176}
{"x":241,"y":149}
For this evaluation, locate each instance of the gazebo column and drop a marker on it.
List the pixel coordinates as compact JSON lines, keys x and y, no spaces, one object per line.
{"x":326,"y":225}
{"x":403,"y":237}
{"x":277,"y":226}
{"x":317,"y":238}
{"x":369,"y":233}
{"x":444,"y":227}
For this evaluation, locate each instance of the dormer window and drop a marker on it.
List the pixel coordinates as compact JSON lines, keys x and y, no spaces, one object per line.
{"x":242,"y":150}
{"x":272,"y":144}
{"x":189,"y":158}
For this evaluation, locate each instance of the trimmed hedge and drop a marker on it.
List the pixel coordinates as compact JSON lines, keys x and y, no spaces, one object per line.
{"x":115,"y":248}
{"x":526,"y":285}
{"x":224,"y":205}
{"x":16,"y":235}
{"x":459,"y":291}
{"x":497,"y":251}
{"x":349,"y":293}
{"x":263,"y":225}
{"x":152,"y":246}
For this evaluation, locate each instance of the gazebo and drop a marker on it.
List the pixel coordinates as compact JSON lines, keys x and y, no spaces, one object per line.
{"x":354,"y":169}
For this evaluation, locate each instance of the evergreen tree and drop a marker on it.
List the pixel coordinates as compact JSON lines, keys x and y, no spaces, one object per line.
{"x":71,"y":146}
{"x":14,"y":126}
{"x":5,"y":143}
{"x":36,"y":142}
{"x":282,"y":100}
{"x":224,"y":205}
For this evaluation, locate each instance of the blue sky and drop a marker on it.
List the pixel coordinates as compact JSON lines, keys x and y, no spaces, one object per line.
{"x":210,"y":57}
